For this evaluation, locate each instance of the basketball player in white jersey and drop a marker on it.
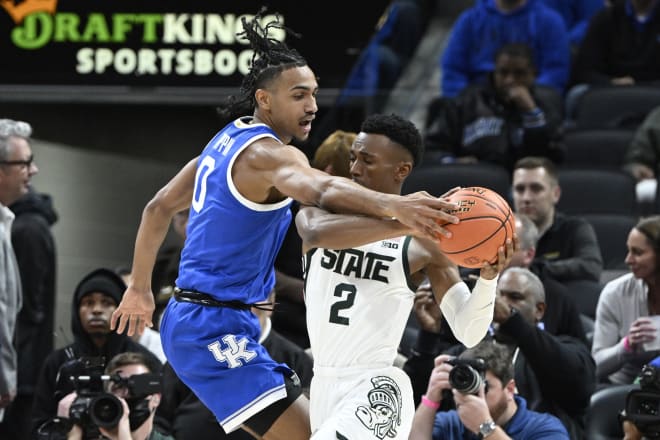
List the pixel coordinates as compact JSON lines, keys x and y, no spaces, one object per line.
{"x":360,"y":279}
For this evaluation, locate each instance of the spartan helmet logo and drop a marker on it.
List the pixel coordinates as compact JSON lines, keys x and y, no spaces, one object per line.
{"x":383,"y":415}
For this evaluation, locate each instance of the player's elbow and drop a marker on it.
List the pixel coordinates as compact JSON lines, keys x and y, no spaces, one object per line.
{"x":311,"y":235}
{"x":159,"y":205}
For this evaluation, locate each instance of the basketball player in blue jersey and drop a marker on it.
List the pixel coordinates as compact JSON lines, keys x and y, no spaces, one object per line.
{"x":360,"y":279}
{"x":239,"y":190}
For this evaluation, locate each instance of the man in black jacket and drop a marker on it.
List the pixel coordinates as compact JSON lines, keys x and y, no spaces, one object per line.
{"x":94,"y":300}
{"x":34,"y":247}
{"x":567,"y":244}
{"x":498,"y":122}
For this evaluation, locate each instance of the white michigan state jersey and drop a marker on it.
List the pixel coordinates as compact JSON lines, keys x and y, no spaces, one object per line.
{"x":358,"y":302}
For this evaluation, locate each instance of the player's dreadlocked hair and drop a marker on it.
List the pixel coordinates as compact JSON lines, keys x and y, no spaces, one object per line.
{"x":271,"y":57}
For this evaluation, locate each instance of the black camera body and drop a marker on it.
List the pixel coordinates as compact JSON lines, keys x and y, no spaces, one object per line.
{"x":468,"y":375}
{"x":643,"y":405}
{"x":93,"y":406}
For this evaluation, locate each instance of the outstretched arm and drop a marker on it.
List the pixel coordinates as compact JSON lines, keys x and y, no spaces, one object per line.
{"x":137,"y":306}
{"x":469,"y":314}
{"x":321,"y":229}
{"x":287,"y":169}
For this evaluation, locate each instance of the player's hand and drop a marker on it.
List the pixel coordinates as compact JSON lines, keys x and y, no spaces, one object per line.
{"x":424,"y":213}
{"x":427,"y":310}
{"x":135,"y":310}
{"x":504,"y":255}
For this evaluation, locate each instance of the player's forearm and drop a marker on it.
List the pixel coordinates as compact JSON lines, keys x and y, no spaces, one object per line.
{"x":470,"y":314}
{"x":151,"y":234}
{"x":334,"y":231}
{"x":347,"y":197}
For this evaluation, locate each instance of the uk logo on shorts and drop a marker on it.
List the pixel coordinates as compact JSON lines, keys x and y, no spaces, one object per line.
{"x":383,"y":415}
{"x":234,"y":352}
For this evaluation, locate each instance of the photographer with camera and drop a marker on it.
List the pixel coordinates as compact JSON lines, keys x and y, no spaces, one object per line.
{"x":482,"y":384}
{"x":123,"y":409}
{"x":554,"y":373}
{"x":94,"y":299}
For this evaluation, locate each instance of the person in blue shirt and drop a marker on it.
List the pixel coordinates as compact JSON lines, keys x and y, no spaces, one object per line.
{"x":494,"y":411}
{"x":240,"y":190}
{"x":576,"y":15}
{"x":481,"y":30}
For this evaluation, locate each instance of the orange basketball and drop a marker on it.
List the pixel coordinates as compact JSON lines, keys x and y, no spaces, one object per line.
{"x":486,"y":222}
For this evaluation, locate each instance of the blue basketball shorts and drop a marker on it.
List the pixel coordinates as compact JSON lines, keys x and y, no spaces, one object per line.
{"x":216,"y":353}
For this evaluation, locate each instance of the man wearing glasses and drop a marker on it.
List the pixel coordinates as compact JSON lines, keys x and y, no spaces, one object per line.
{"x":16,"y":170}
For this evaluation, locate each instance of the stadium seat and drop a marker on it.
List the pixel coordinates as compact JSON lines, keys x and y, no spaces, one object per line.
{"x":596,"y":191}
{"x":438,"y":179}
{"x":596,"y":148}
{"x":616,"y":106}
{"x":606,"y":403}
{"x":585,"y":293}
{"x":612,"y":232}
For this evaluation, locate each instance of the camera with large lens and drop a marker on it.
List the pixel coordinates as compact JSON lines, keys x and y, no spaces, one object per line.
{"x":468,"y":375}
{"x":93,"y":406}
{"x":643,"y":405}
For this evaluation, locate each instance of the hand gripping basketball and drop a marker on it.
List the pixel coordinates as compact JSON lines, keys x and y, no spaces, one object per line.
{"x":486,"y":222}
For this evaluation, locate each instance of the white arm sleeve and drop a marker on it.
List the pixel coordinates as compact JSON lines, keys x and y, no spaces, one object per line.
{"x":470,"y":315}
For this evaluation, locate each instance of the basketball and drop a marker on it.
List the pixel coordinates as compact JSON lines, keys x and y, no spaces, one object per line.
{"x":486,"y":222}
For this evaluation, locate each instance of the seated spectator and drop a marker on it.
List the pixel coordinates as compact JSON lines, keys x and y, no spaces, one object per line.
{"x":94,"y":299}
{"x":576,"y":15}
{"x":496,"y":122}
{"x":182,"y":415}
{"x":625,"y":331}
{"x":561,"y":315}
{"x":620,"y":46}
{"x":334,"y":154}
{"x":567,"y":245}
{"x":481,"y":30}
{"x":554,"y":373}
{"x":386,"y":55}
{"x":642,"y":159}
{"x":495,"y":409}
{"x":138,"y":402}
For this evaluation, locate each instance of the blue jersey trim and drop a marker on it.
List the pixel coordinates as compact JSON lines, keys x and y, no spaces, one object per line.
{"x":262,"y":207}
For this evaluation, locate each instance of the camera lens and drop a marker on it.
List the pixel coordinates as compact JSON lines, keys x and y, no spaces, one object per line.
{"x":465,"y":379}
{"x":105,"y":410}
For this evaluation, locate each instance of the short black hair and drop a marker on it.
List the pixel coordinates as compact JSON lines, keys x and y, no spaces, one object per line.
{"x":399,"y":130}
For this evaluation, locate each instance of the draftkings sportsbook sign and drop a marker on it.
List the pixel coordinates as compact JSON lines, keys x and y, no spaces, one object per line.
{"x":152,"y":42}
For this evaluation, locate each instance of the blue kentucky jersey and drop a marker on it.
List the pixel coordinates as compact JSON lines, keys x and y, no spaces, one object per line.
{"x":231,"y":241}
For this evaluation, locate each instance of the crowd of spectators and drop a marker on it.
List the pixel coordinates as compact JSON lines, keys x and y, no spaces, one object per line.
{"x":513,"y":74}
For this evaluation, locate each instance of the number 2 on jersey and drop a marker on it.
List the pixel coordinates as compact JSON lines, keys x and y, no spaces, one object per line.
{"x":342,"y":290}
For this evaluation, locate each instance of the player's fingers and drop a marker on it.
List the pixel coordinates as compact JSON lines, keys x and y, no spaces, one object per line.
{"x":132,"y":322}
{"x":450,"y":192}
{"x":122,"y":323}
{"x":113,"y":319}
